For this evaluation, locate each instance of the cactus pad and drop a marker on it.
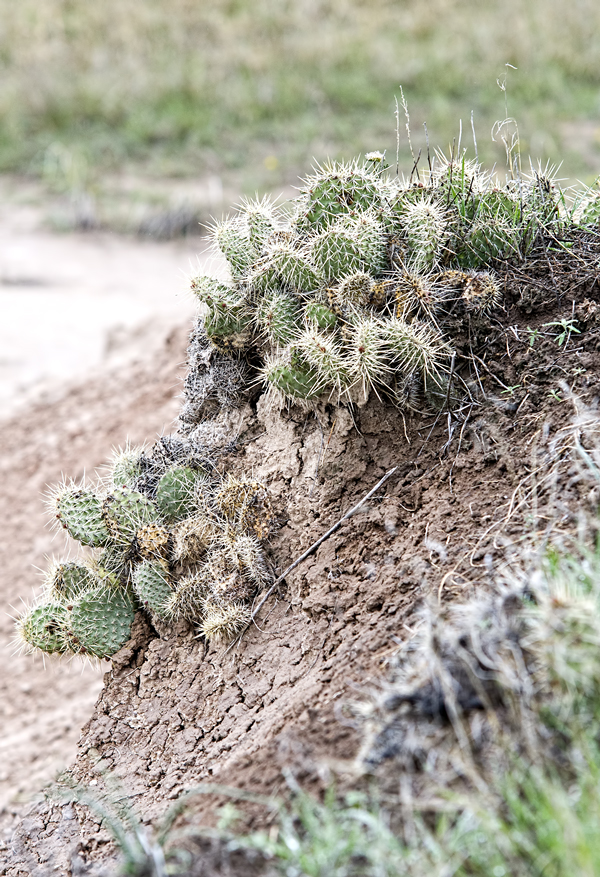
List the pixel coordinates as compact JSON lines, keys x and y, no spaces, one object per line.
{"x":66,"y":580}
{"x":79,"y":511}
{"x":221,"y":624}
{"x":246,"y":502}
{"x":232,"y":237}
{"x":289,"y":269}
{"x":151,"y":583}
{"x":126,"y":467}
{"x":319,"y":315}
{"x":125,"y":511}
{"x":293,"y":381}
{"x":188,"y":598}
{"x":43,"y":627}
{"x":177,"y":492}
{"x":244,"y":553}
{"x":337,"y":189}
{"x":191,"y":538}
{"x":278,"y":316}
{"x":153,"y":541}
{"x":100,"y":622}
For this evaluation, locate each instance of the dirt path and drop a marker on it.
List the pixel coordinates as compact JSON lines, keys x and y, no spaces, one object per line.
{"x":89,"y":355}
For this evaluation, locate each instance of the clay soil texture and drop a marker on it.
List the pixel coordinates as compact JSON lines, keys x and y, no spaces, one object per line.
{"x":175,"y":712}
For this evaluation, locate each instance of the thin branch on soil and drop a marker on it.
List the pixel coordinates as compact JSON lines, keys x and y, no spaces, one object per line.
{"x":316,"y":475}
{"x":490,"y":372}
{"x":313,"y":548}
{"x":447,"y":401}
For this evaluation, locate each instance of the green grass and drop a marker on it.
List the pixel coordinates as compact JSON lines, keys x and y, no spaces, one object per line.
{"x":540,"y":828}
{"x":254,"y":90}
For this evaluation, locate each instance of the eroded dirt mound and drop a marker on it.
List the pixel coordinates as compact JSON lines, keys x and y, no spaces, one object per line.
{"x":174,"y":711}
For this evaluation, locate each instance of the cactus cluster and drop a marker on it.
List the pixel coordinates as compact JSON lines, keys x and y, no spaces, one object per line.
{"x":348,"y":290}
{"x":353,"y":289}
{"x":167,"y":534}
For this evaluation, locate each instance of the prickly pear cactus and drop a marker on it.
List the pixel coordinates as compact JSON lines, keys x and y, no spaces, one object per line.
{"x":354,"y":289}
{"x":43,"y":627}
{"x":66,"y":580}
{"x":179,"y":491}
{"x":313,"y":288}
{"x":126,"y":511}
{"x":313,"y":291}
{"x":189,"y":540}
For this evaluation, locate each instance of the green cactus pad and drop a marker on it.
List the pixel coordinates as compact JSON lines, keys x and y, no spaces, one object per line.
{"x":336,"y":253}
{"x":43,"y":628}
{"x":278,"y":315}
{"x":208,"y":290}
{"x":336,"y":189}
{"x":425,"y":226}
{"x":152,"y":586}
{"x":227,"y":319}
{"x":126,"y":467}
{"x":228,"y":330}
{"x":125,"y":511}
{"x":352,"y":244}
{"x":79,"y":511}
{"x":260,"y":220}
{"x":177,"y":492}
{"x":100,"y":622}
{"x":286,"y":268}
{"x":233,"y":239}
{"x":495,"y":231}
{"x":366,"y":354}
{"x":324,"y":356}
{"x":66,"y":580}
{"x":369,"y":235}
{"x":292,"y":381}
{"x":320,"y":315}
{"x":414,"y":345}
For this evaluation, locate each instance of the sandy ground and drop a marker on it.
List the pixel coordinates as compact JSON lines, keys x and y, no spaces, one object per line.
{"x":87,"y":311}
{"x":68,"y":302}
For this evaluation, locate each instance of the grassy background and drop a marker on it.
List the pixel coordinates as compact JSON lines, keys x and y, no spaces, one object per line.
{"x":251,"y":90}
